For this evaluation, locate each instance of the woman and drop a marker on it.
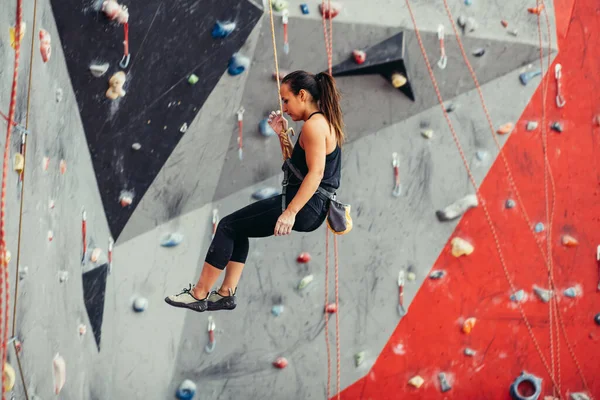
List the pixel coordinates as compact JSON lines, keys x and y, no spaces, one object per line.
{"x":313,"y":99}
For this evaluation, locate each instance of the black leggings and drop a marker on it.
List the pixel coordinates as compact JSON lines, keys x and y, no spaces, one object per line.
{"x":258,"y":220}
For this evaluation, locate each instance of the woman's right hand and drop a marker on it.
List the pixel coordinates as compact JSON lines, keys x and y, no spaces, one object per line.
{"x":278,"y":123}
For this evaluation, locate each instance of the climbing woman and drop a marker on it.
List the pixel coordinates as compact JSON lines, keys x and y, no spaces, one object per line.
{"x":303,"y":204}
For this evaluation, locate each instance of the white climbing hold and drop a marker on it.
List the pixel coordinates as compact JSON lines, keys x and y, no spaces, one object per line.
{"x":359,"y":358}
{"x":183,"y":128}
{"x":59,"y":369}
{"x":99,"y":69}
{"x":172,"y":239}
{"x":82,"y":329}
{"x":59,"y":95}
{"x":23,"y":271}
{"x":140,"y":304}
{"x":531,"y":125}
{"x":63,"y":276}
{"x":427,"y":133}
{"x":518,"y":296}
{"x":305,"y":281}
{"x":469,"y":352}
{"x":461,"y":247}
{"x":126,"y":198}
{"x":471,"y":25}
{"x":96,"y":253}
{"x":544,"y":294}
{"x":457,"y":208}
{"x":136,"y":146}
{"x":579,"y":396}
{"x":416,"y":381}
{"x":115,"y":83}
{"x":572,"y":292}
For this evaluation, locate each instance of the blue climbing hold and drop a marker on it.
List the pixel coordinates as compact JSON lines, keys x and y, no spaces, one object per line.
{"x":539,"y":227}
{"x":186,"y":391}
{"x":525,"y":77}
{"x":277,"y":309}
{"x":172,"y":240}
{"x":265,"y":193}
{"x":481,"y":155}
{"x":238,"y":64}
{"x":304,"y":8}
{"x":222,"y":29}
{"x":265,"y":129}
{"x":468,"y":2}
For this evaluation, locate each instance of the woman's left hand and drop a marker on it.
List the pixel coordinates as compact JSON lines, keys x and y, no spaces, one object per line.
{"x":285,"y":222}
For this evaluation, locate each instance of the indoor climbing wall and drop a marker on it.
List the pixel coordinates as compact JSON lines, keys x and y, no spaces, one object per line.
{"x":144,"y":125}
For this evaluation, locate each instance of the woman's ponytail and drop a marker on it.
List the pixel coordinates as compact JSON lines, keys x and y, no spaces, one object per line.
{"x":329,"y":98}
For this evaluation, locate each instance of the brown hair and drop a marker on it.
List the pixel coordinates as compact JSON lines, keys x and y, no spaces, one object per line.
{"x":323,"y":89}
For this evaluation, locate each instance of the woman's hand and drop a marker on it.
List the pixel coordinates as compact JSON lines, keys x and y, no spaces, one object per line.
{"x":277,"y":122}
{"x":285,"y":223}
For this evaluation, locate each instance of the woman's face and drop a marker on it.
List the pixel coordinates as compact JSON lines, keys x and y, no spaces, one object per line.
{"x":294,"y":106}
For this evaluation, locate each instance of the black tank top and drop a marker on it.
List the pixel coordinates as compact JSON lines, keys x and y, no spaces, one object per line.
{"x":333,"y":164}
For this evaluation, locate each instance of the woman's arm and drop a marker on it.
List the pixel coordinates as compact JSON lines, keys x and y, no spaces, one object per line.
{"x":316,"y":150}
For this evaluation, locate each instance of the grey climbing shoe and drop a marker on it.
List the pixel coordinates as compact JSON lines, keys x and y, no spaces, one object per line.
{"x":186,"y":299}
{"x":217,"y":302}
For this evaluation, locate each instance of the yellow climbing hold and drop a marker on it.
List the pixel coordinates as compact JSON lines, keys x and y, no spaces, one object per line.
{"x":9,"y":377}
{"x":460,"y":247}
{"x":416,"y":381}
{"x":13,"y":34}
{"x":398,"y":80}
{"x":19,"y":162}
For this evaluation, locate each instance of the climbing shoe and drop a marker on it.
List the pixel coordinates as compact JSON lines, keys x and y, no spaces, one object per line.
{"x":186,"y":299}
{"x":218,"y":302}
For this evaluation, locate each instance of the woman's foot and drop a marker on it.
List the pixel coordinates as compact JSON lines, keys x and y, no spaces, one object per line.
{"x":226,"y":301}
{"x":188,"y":299}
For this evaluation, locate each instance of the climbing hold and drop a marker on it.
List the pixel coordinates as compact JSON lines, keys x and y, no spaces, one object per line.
{"x":265,"y":129}
{"x":359,"y":358}
{"x":303,"y":258}
{"x":222,"y":29}
{"x":279,"y":5}
{"x":416,"y":381}
{"x":50,"y":236}
{"x":140,"y":304}
{"x":468,"y":2}
{"x":18,"y":162}
{"x":451,"y":107}
{"x":444,"y":385}
{"x":531,"y":125}
{"x":277,"y":309}
{"x":513,"y":32}
{"x":99,"y":69}
{"x":526,"y":77}
{"x":569,"y":241}
{"x":544,"y":294}
{"x":535,"y":382}
{"x":171,"y":239}
{"x":468,"y":325}
{"x":82,"y":329}
{"x":539,"y":227}
{"x":238,"y":63}
{"x":504,"y":23}
{"x":62,"y":167}
{"x":13,"y":34}
{"x":557,"y":126}
{"x":305,"y":281}
{"x":58,"y":95}
{"x":461,"y":247}
{"x":126,"y":198}
{"x":427,"y":133}
{"x":63,"y":276}
{"x":596,"y":119}
{"x":186,"y":390}
{"x":410,"y":273}
{"x":478,"y":52}
{"x":462,"y":21}
{"x":438,"y":274}
{"x":518,"y":296}
{"x":579,"y":396}
{"x":481,"y":155}
{"x":9,"y":377}
{"x":506,"y":128}
{"x":471,"y":24}
{"x":193,"y":79}
{"x":23,"y":272}
{"x":331,"y":308}
{"x":571,"y":292}
{"x":280,"y":362}
{"x":183,"y":127}
{"x":359,"y":56}
{"x":398,"y":80}
{"x":7,"y":256}
{"x":265,"y":193}
{"x":45,"y":49}
{"x":304,"y":8}
{"x":95,"y":254}
{"x":597,"y":319}
{"x":469,"y":352}
{"x":458,"y":208}
{"x":115,"y":83}
{"x":59,"y":369}
{"x":115,"y":11}
{"x":330,"y":13}
{"x":536,"y":10}
{"x":510,"y":203}
{"x":136,"y":146}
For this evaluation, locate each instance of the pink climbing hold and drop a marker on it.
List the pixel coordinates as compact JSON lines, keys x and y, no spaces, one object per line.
{"x":280,"y":363}
{"x":45,"y":49}
{"x":359,"y":56}
{"x":303,"y":258}
{"x":330,"y":13}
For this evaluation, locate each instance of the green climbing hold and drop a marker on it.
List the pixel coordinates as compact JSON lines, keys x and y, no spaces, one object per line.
{"x":280,"y":5}
{"x":359,"y":358}
{"x":193,"y":79}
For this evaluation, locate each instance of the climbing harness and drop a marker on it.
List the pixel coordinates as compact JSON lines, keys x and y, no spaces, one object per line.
{"x":552,"y":310}
{"x":560,"y":101}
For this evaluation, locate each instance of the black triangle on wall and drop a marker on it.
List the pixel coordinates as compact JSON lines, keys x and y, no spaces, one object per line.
{"x":94,"y":289}
{"x":384,"y":58}
{"x":168,"y":41}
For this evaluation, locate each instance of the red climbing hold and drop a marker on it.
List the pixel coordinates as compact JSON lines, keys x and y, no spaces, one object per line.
{"x":504,"y":23}
{"x":359,"y":56}
{"x":331,"y":308}
{"x":303,"y":258}
{"x":280,"y":363}
{"x":330,"y":13}
{"x":45,"y":49}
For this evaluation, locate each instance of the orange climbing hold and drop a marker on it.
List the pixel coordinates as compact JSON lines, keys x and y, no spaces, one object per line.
{"x":569,"y":241}
{"x":45,"y":49}
{"x":536,"y":10}
{"x":468,"y":325}
{"x":506,"y":128}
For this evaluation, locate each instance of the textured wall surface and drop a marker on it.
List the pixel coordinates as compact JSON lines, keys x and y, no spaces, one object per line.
{"x":148,"y":354}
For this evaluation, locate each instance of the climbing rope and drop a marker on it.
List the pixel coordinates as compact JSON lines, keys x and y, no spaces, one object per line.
{"x":471,"y":178}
